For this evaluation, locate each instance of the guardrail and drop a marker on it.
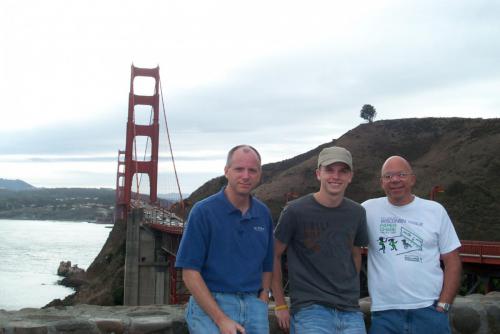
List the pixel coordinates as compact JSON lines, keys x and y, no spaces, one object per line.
{"x":486,"y":252}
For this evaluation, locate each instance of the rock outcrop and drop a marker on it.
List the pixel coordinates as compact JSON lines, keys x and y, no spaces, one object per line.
{"x":73,"y":276}
{"x":67,"y":270}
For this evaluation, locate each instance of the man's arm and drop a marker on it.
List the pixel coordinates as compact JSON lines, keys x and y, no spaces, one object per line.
{"x":452,"y":276}
{"x":283,"y":316}
{"x":266,"y":286}
{"x":196,"y":285}
{"x":356,"y":256}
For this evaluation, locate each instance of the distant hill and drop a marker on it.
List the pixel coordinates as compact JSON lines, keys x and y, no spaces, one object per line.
{"x":74,"y":204}
{"x":460,"y":154}
{"x":172,"y":197}
{"x":15,"y":185}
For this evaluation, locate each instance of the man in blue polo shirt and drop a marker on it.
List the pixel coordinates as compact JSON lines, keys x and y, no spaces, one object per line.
{"x":226,"y":253}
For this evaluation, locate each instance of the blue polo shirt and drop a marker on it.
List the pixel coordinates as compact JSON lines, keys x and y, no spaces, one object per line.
{"x":230,"y":250}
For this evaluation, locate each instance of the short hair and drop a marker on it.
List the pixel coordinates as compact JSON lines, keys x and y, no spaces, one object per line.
{"x":246,"y":148}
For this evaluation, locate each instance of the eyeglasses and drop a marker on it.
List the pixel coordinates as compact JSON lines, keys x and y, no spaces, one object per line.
{"x":400,"y":175}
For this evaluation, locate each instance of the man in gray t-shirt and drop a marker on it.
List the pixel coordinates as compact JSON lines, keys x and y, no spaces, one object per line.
{"x":323,"y":234}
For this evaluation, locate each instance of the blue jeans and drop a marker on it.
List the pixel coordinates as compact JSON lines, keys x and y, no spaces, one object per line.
{"x":244,"y":308}
{"x":318,"y":319}
{"x":422,"y":320}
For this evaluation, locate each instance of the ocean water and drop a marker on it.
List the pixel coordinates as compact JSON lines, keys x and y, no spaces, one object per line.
{"x":30,"y":253}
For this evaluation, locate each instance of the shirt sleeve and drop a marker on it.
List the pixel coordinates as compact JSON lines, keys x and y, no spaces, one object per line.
{"x":361,"y":239}
{"x":285,"y":227}
{"x":448,"y":238}
{"x":194,"y":243}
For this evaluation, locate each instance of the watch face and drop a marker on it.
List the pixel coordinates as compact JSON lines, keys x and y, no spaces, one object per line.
{"x":444,"y":306}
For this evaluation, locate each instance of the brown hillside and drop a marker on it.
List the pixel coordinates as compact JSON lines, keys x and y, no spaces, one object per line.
{"x":462,"y":155}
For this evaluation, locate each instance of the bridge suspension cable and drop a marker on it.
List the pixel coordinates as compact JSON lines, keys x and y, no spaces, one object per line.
{"x":181,"y":201}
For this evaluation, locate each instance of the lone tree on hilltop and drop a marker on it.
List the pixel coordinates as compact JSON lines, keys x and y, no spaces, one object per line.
{"x":368,"y":112}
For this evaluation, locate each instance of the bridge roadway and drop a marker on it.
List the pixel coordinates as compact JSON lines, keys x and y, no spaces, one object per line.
{"x":162,"y":219}
{"x":471,"y":251}
{"x":480,"y":259}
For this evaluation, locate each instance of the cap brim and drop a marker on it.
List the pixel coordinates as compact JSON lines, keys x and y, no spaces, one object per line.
{"x":332,"y":161}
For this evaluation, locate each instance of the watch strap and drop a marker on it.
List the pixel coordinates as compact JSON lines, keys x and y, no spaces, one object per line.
{"x":445,"y":306}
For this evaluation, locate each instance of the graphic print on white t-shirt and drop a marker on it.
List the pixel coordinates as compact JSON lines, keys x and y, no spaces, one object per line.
{"x":396,"y":239}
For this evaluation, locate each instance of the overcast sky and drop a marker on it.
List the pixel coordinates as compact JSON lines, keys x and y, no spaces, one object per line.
{"x":284,"y":76}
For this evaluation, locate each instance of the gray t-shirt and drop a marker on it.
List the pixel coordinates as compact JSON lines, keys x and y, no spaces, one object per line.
{"x":321,"y":269}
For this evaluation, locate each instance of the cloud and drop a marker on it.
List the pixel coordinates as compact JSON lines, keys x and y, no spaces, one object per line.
{"x":282,"y":76}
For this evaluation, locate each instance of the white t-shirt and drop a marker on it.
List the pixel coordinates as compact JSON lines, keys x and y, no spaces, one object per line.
{"x":403,"y":254}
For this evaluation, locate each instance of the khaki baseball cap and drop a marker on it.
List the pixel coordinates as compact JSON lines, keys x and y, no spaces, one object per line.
{"x":333,"y":154}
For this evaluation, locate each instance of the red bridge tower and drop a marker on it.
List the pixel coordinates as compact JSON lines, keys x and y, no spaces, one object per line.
{"x":131,"y":166}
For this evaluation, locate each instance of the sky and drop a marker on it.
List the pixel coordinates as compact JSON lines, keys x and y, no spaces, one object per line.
{"x":283,"y":76}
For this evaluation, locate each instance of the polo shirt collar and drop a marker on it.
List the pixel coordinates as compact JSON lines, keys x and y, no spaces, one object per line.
{"x":229,"y":207}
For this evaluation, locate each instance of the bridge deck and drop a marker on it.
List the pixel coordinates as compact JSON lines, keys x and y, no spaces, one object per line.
{"x":471,"y":251}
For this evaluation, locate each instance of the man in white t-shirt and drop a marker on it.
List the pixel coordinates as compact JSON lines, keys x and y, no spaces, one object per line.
{"x":408,"y":238}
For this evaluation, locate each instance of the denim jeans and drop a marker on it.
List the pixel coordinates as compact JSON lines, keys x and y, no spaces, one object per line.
{"x":422,"y":320}
{"x":318,"y":319}
{"x":244,"y":308}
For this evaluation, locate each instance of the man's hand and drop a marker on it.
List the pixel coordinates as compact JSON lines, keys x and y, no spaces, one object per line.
{"x":229,"y":326}
{"x":439,"y":309}
{"x":283,"y":317}
{"x":264,"y":296}
{"x":196,"y":285}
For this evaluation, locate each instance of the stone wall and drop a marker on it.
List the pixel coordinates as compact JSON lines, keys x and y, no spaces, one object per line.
{"x":474,"y":314}
{"x":92,"y":319}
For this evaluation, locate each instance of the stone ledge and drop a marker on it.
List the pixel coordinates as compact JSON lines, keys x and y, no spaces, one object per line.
{"x":90,"y":319}
{"x":474,"y":314}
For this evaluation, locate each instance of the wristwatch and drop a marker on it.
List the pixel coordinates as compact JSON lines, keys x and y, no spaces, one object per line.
{"x":267,"y":291}
{"x":445,"y":306}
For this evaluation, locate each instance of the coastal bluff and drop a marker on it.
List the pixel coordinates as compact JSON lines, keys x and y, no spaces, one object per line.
{"x":474,"y":314}
{"x":458,"y":154}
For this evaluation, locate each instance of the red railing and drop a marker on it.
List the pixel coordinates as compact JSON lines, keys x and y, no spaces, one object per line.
{"x":484,"y":252}
{"x":474,"y":251}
